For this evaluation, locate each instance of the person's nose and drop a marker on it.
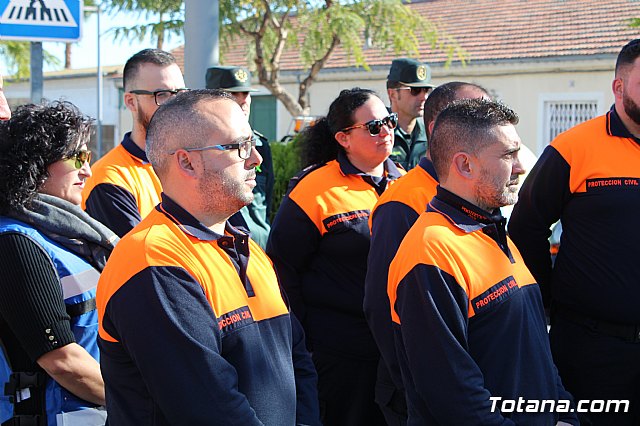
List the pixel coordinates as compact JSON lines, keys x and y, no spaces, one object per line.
{"x":254,"y":160}
{"x":518,"y":167}
{"x":85,"y":170}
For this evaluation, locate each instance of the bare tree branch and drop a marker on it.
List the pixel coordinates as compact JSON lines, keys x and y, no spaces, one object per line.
{"x":313,"y":72}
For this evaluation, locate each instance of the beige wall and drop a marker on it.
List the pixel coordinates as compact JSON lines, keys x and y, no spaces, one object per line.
{"x":522,"y":86}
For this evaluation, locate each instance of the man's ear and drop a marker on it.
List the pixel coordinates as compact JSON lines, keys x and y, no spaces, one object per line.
{"x":343,"y":139}
{"x":432,"y":123}
{"x":130,"y":102}
{"x":393,"y":95}
{"x":185,"y":162}
{"x":618,"y":87}
{"x":463,"y":164}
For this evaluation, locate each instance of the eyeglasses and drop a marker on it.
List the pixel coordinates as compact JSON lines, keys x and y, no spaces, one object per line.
{"x":159,"y":96}
{"x":415,"y":91}
{"x":375,"y":126}
{"x":244,"y":148}
{"x":79,"y":158}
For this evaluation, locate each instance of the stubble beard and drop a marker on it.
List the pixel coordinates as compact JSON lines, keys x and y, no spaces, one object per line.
{"x":143,"y":118}
{"x":631,"y":108}
{"x":223,"y":195}
{"x":491,"y":194}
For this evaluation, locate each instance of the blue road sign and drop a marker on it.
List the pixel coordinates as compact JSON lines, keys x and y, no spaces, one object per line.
{"x":40,"y":20}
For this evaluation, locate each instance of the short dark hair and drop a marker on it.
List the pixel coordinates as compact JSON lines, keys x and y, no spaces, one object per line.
{"x":466,"y":125}
{"x":145,"y":56}
{"x":442,"y":96}
{"x":392,"y":84}
{"x":627,"y":55}
{"x":176,"y":119}
{"x":319,"y":143}
{"x":35,"y":137}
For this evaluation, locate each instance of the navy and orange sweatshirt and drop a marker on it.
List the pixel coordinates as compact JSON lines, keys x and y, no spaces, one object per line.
{"x":123,"y":188}
{"x":391,"y":218}
{"x":319,"y":245}
{"x":589,"y":178}
{"x":469,"y":322}
{"x":194,"y":329}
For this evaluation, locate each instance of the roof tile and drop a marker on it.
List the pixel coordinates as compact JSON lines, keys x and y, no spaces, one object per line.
{"x":491,"y":30}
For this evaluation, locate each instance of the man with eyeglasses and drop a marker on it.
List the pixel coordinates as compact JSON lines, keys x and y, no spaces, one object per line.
{"x":193,"y":326}
{"x":255,"y":217}
{"x":408,"y":85}
{"x":124,"y":188}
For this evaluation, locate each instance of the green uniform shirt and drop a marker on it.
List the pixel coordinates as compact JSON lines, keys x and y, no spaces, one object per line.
{"x":408,"y":149}
{"x":255,"y":216}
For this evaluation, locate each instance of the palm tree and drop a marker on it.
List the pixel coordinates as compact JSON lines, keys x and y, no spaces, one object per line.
{"x":167,"y":19}
{"x":17,"y":55}
{"x":67,"y":46}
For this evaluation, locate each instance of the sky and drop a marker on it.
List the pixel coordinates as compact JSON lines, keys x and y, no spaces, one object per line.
{"x":84,"y":53}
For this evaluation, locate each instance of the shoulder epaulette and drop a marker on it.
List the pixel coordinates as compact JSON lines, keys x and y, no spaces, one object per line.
{"x":260,"y":135}
{"x":304,"y":172}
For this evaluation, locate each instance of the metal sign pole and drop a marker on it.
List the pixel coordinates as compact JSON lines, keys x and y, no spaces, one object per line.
{"x":36,"y":72}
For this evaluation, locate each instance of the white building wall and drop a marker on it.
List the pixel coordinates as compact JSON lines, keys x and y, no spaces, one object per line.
{"x":79,"y":90}
{"x":522,"y":86}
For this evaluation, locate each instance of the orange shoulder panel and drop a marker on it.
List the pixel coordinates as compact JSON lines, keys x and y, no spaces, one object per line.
{"x":120,"y":168}
{"x":326,"y":192}
{"x":593,"y":154}
{"x":157,"y":242}
{"x":434,"y":241}
{"x":415,"y":189}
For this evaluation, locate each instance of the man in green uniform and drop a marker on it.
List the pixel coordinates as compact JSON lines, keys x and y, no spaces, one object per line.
{"x":255,"y":216}
{"x":408,"y":85}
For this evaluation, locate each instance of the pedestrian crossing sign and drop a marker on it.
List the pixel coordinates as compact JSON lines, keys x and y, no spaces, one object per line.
{"x":40,"y":20}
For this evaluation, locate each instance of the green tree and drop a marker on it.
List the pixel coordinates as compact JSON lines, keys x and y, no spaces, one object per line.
{"x":17,"y":57}
{"x":167,"y":18}
{"x":314,"y":28}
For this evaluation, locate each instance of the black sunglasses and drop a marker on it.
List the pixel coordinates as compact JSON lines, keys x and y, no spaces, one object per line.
{"x":415,"y":91}
{"x":159,"y":96}
{"x":375,"y":126}
{"x":79,"y":158}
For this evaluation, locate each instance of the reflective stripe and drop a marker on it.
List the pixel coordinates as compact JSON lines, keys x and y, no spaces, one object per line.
{"x":73,"y":285}
{"x":86,"y":417}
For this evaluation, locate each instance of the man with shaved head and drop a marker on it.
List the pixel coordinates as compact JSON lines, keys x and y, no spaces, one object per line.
{"x":193,"y":326}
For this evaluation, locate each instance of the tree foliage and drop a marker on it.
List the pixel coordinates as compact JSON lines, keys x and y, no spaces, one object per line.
{"x":17,"y":56}
{"x":313,"y":28}
{"x":166,"y":16}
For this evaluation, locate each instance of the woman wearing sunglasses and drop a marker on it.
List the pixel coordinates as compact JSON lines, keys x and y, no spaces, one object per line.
{"x":51,"y":255}
{"x":319,"y":244}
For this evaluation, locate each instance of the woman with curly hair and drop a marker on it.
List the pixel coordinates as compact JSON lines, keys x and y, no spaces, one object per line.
{"x":51,"y":255}
{"x":319,"y":245}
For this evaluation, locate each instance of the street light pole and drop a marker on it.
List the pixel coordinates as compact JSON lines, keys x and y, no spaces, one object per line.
{"x":100,"y":88}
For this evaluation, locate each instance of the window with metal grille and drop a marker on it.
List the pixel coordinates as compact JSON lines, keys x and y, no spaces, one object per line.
{"x":565,"y":115}
{"x":560,"y":112}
